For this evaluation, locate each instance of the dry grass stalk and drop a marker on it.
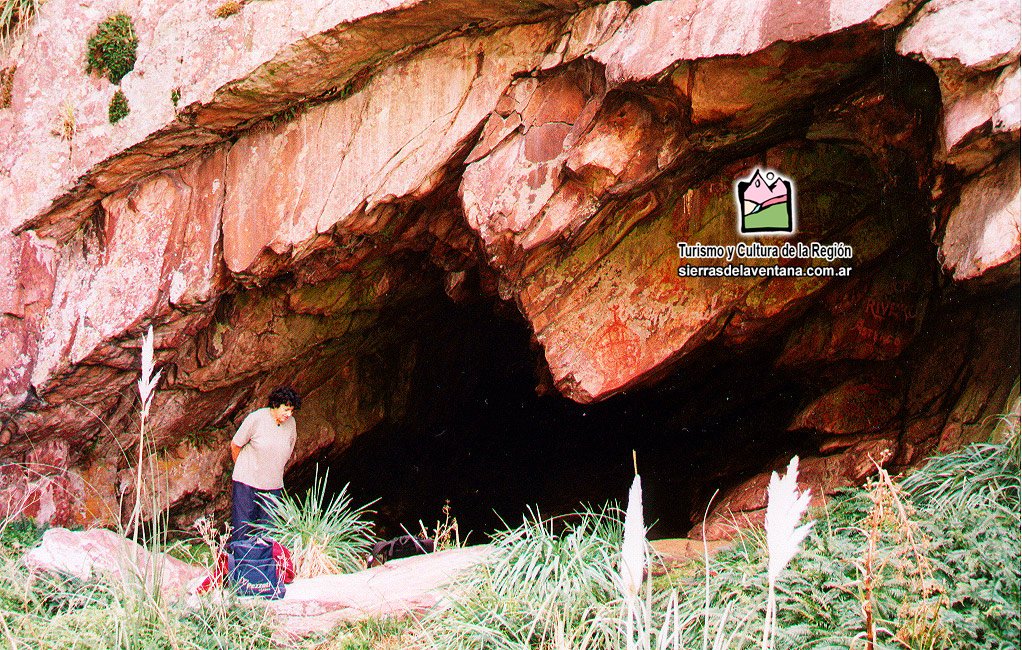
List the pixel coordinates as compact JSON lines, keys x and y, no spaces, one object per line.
{"x":891,"y":516}
{"x":445,"y":534}
{"x":214,"y":538}
{"x":147,"y":390}
{"x":66,"y":125}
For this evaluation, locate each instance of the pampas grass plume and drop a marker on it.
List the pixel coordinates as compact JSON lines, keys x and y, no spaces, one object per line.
{"x":785,"y":507}
{"x":633,"y":550}
{"x":147,"y":381}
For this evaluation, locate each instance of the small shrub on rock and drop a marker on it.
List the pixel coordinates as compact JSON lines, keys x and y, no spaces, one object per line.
{"x":112,"y":48}
{"x":7,"y":85}
{"x":227,"y":9}
{"x":119,"y":108}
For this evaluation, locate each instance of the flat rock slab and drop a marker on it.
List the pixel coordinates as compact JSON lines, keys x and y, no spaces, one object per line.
{"x":87,"y":554}
{"x":398,"y":588}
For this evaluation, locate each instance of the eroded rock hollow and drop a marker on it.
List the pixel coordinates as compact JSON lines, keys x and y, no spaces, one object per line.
{"x":405,"y":209}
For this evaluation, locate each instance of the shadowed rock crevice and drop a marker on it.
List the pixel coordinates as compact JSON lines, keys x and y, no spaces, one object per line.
{"x":476,"y":432}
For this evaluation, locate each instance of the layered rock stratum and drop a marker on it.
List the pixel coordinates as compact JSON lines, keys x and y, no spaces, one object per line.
{"x":299,"y":184}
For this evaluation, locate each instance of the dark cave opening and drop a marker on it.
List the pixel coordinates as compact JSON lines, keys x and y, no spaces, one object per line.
{"x":477,"y":435}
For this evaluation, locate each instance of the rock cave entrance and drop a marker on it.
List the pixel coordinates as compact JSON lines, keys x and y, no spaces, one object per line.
{"x":479,"y":435}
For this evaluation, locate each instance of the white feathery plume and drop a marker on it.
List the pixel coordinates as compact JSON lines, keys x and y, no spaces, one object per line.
{"x":633,"y":556}
{"x":633,"y":550}
{"x":146,"y":389}
{"x":785,"y":507}
{"x":147,"y":380}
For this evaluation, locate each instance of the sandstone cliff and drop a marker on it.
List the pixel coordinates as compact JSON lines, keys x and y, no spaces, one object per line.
{"x":298,"y":185}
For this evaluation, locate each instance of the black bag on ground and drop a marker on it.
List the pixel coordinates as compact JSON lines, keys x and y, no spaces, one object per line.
{"x":404,"y":546}
{"x":252,"y":570}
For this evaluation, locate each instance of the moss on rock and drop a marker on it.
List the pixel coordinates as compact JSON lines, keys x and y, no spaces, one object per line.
{"x":119,"y":107}
{"x":112,"y":48}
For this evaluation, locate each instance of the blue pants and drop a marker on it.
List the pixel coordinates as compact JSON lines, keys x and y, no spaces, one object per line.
{"x":249,"y":506}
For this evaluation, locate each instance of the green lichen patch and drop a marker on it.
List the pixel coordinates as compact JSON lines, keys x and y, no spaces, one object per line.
{"x":119,"y":108}
{"x":175,"y":96}
{"x":112,"y":48}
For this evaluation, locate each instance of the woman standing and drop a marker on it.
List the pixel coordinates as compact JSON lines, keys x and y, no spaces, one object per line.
{"x":261,"y":449}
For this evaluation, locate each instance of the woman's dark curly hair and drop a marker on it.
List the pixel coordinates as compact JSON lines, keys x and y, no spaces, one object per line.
{"x":284,"y":395}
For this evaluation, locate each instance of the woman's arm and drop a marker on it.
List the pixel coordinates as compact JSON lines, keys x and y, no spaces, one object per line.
{"x":235,"y":450}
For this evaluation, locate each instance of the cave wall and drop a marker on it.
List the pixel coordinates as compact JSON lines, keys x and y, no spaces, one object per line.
{"x":334,"y":172}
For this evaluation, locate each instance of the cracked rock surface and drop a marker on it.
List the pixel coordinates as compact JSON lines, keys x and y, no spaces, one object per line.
{"x":301,"y":186}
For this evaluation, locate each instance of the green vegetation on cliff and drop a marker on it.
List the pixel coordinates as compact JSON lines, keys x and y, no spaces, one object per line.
{"x":111,"y":50}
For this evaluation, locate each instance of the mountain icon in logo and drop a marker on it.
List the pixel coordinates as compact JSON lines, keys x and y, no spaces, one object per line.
{"x":765,"y":203}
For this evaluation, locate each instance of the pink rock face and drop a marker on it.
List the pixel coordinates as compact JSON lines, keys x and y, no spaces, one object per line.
{"x":26,"y":284}
{"x":152,"y":246}
{"x":974,"y":49}
{"x":510,"y":193}
{"x":332,"y":167}
{"x":267,"y":57}
{"x":659,"y":35}
{"x":982,"y":234}
{"x":979,"y":34}
{"x":388,"y":142}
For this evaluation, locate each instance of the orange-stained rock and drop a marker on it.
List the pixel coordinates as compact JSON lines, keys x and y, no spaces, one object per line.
{"x":631,"y":313}
{"x":872,"y":316}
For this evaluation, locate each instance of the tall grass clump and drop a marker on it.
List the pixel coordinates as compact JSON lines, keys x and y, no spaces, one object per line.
{"x":928,"y":562}
{"x":548,"y":583}
{"x":931,"y":561}
{"x":324,"y":537}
